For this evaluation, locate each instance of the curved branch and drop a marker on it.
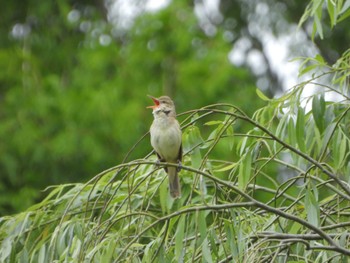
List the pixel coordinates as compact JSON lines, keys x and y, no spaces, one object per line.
{"x":343,"y":185}
{"x":254,"y":202}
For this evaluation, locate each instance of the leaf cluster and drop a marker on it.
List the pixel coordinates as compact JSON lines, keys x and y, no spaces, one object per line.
{"x":280,"y":191}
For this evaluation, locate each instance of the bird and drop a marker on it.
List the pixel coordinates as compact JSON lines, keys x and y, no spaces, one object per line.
{"x":166,"y":140}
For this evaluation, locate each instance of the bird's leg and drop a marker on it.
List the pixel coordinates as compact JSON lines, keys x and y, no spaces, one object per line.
{"x":160,"y":160}
{"x":180,"y":166}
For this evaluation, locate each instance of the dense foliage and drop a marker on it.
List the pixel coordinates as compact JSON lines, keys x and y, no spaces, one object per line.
{"x":263,"y":180}
{"x":73,"y":82}
{"x":282,"y":192}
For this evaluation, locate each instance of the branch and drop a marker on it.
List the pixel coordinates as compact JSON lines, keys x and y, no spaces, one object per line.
{"x":281,"y":236}
{"x":343,"y":185}
{"x":253,"y":202}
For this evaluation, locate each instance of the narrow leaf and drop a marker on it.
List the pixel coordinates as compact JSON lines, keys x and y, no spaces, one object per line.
{"x":179,"y":236}
{"x":211,"y":123}
{"x":345,"y":7}
{"x":318,"y":110}
{"x":163,"y":196}
{"x":261,"y":95}
{"x":344,"y":16}
{"x":230,"y":136}
{"x":318,"y":24}
{"x":213,"y":243}
{"x":291,"y":132}
{"x":42,"y":253}
{"x":332,"y":12}
{"x":202,"y":226}
{"x":206,"y":252}
{"x":195,"y":139}
{"x":327,"y":136}
{"x":304,"y":70}
{"x":245,"y":171}
{"x":300,"y":127}
{"x":226,"y":167}
{"x":312,"y":208}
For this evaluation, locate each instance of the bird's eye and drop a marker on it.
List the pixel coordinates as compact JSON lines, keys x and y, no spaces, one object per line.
{"x":166,"y":112}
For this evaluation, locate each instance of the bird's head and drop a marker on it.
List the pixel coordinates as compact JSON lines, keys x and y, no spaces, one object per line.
{"x":163,"y":106}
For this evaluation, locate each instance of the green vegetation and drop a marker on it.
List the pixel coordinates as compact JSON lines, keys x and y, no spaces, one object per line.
{"x":263,"y":179}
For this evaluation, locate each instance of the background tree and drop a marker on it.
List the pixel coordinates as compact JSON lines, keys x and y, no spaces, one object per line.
{"x":72,"y":82}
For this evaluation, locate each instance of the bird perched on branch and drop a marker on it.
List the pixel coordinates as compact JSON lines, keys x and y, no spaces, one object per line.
{"x":166,"y":139}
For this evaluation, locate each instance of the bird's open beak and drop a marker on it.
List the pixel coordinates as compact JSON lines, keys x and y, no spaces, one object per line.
{"x":156,"y":103}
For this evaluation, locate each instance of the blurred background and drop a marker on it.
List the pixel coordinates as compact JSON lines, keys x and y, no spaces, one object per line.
{"x":75,"y":74}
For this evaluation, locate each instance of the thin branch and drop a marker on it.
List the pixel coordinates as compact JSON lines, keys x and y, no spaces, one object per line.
{"x":343,"y":185}
{"x":181,"y":212}
{"x":257,"y":203}
{"x":282,"y":236}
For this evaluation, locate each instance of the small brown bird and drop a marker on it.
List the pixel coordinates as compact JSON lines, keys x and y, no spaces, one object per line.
{"x":166,"y":139}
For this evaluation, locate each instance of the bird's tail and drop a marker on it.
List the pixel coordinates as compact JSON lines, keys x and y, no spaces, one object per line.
{"x":174,"y":182}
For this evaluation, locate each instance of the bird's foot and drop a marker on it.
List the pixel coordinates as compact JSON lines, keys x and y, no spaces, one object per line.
{"x":157,"y":164}
{"x":179,"y":167}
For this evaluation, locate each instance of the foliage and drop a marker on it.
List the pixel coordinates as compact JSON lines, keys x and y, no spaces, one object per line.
{"x":336,"y":10}
{"x":270,"y":185}
{"x":70,"y":80}
{"x":73,"y":83}
{"x":281,"y":193}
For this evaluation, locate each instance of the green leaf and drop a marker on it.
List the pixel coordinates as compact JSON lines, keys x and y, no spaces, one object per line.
{"x":22,"y":256}
{"x":108,"y":255}
{"x":194,"y":141}
{"x":344,"y":16}
{"x":320,"y":60}
{"x":6,"y":247}
{"x":312,"y":208}
{"x":179,"y":236}
{"x":226,"y":167}
{"x":346,"y":7}
{"x":304,"y":70}
{"x":230,"y":136}
{"x":280,"y":130}
{"x":242,"y":145}
{"x":245,"y":171}
{"x":328,"y":135}
{"x":202,"y":226}
{"x":318,"y":112}
{"x":300,"y":127}
{"x":292,"y":136}
{"x":332,"y":12}
{"x":213,"y":243}
{"x":343,"y":239}
{"x":295,"y":228}
{"x":147,"y":257}
{"x":206,"y":252}
{"x":306,"y":14}
{"x":317,"y":26}
{"x":196,"y":158}
{"x":231,"y":238}
{"x":318,"y":21}
{"x":316,"y":5}
{"x":163,"y":196}
{"x":339,"y":149}
{"x":210,"y":123}
{"x":261,"y":95}
{"x":42,"y":253}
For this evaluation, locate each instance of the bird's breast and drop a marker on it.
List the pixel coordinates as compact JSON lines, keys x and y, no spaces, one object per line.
{"x":166,"y":139}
